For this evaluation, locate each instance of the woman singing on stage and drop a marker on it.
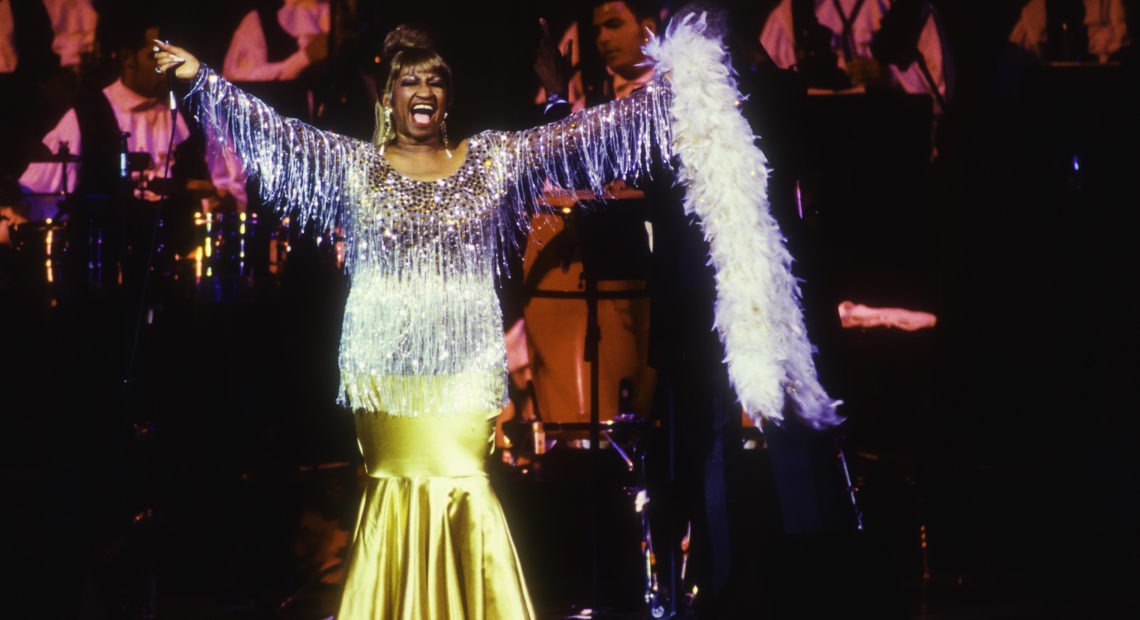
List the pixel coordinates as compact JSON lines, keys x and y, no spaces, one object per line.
{"x":422,"y":359}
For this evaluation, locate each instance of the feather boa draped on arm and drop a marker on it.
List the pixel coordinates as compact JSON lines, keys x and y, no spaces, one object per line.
{"x":758,"y":314}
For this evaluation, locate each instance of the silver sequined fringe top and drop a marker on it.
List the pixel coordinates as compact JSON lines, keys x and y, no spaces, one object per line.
{"x":422,"y":331}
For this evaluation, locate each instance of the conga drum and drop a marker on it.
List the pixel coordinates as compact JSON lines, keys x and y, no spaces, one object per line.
{"x":560,"y":303}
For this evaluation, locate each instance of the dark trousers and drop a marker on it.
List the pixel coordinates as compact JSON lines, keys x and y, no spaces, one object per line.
{"x":762,"y":520}
{"x":691,"y":483}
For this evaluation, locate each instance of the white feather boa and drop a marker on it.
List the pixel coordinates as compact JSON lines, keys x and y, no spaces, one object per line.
{"x":758,"y":313}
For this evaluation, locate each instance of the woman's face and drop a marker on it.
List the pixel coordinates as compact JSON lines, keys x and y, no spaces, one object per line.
{"x":419,"y":104}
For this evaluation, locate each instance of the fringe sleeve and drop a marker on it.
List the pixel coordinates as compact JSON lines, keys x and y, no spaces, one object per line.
{"x":758,"y":314}
{"x":302,"y":171}
{"x":622,"y":139}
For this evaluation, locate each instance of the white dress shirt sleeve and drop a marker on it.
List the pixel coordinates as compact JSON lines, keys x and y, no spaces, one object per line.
{"x":778,"y":36}
{"x":44,"y":178}
{"x":247,"y":57}
{"x":74,"y":23}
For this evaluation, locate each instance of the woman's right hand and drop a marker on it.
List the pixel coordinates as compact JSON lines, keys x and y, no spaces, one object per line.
{"x":167,"y":56}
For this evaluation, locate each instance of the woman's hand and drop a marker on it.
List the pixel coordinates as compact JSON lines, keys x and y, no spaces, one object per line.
{"x":167,"y":56}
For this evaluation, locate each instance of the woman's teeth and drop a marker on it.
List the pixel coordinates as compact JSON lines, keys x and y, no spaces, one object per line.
{"x":421,"y":114}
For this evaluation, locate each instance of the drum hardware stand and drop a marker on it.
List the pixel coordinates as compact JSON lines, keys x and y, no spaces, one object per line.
{"x":852,"y":490}
{"x":592,"y":259}
{"x":596,"y":253}
{"x":144,"y":522}
{"x":651,"y":594}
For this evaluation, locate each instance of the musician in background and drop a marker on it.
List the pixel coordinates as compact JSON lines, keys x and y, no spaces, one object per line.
{"x":896,"y":44}
{"x":607,"y":244}
{"x":1092,"y":31}
{"x":27,"y":64}
{"x":276,"y":51}
{"x":74,"y":23}
{"x":133,"y":115}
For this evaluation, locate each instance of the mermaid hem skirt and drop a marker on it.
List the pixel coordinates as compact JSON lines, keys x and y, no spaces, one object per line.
{"x":431,"y":540}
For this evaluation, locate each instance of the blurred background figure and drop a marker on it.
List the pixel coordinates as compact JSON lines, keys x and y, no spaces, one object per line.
{"x":585,"y":314}
{"x":12,"y":210}
{"x":121,"y":146}
{"x":876,"y":43}
{"x":29,"y":74}
{"x":278,"y":51}
{"x":1092,"y":31}
{"x":74,"y":23}
{"x":880,"y":78}
{"x":711,"y":522}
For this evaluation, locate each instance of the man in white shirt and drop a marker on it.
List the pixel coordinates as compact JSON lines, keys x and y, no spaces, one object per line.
{"x":1101,"y":33}
{"x":139,"y":102}
{"x":854,"y":25}
{"x":279,"y":42}
{"x":74,"y":23}
{"x":131,"y":114}
{"x":620,"y":33}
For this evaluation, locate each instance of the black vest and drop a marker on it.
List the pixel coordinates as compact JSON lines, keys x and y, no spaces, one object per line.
{"x":101,"y":145}
{"x":32,"y":37}
{"x":279,"y":44}
{"x":99,"y":157}
{"x":815,"y":60}
{"x":289,"y":97}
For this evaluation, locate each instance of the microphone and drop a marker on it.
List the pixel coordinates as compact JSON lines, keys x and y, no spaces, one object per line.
{"x":171,"y":79}
{"x":173,"y":99}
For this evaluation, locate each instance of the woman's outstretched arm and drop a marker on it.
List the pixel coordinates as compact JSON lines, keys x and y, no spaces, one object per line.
{"x":622,"y":139}
{"x":302,"y":171}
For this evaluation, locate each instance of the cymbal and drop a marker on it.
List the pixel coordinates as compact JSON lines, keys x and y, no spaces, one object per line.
{"x":53,"y":158}
{"x":192,"y":188}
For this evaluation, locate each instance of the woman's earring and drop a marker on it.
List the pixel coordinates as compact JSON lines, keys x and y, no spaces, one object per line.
{"x":443,"y":132}
{"x":383,"y":133}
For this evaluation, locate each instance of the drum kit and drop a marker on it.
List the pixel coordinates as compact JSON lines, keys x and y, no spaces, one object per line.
{"x":590,"y":477}
{"x":81,"y":246}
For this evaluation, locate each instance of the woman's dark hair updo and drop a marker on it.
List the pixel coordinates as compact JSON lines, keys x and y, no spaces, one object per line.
{"x":410,"y":47}
{"x":405,"y":36}
{"x":406,"y":47}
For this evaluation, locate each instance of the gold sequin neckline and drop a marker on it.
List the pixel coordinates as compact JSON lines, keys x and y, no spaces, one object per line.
{"x":387,"y":164}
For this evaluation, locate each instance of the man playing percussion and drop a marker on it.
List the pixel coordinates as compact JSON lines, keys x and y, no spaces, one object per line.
{"x":130,"y":114}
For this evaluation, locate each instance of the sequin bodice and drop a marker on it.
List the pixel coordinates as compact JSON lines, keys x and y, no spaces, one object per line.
{"x":423,"y":299}
{"x":422,"y":331}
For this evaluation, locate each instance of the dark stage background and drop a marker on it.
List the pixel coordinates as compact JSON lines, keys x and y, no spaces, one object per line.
{"x":994,"y":454}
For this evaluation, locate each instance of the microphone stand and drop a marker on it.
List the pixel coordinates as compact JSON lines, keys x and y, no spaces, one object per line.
{"x":596,"y":256}
{"x":144,"y":516}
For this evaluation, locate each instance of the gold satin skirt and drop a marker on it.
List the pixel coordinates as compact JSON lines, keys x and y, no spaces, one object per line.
{"x":431,"y":539}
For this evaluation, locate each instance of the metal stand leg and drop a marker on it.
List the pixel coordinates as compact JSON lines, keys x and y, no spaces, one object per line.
{"x":652,"y":592}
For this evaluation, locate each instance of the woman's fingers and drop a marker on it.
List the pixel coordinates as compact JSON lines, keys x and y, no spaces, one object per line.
{"x":167,"y":57}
